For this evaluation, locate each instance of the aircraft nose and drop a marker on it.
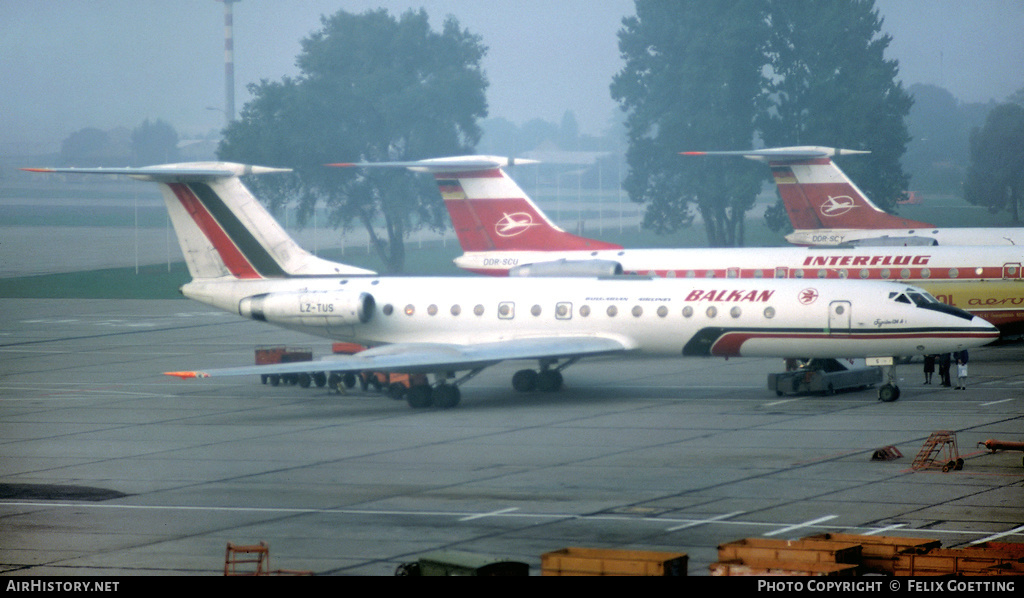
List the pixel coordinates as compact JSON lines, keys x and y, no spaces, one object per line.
{"x":985,"y":329}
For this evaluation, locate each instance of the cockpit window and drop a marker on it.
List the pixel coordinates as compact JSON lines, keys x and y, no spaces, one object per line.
{"x":918,"y":298}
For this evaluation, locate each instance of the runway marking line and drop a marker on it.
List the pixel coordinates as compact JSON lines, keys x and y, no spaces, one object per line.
{"x":810,"y":523}
{"x":491,"y":514}
{"x":721,"y":519}
{"x":998,"y":536}
{"x":887,"y":528}
{"x":697,"y":522}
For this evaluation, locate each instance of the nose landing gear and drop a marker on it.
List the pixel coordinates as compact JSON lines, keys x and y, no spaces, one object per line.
{"x":889,"y":391}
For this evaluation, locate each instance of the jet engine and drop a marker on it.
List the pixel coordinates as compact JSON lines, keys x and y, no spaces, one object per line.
{"x":582,"y":268}
{"x":328,"y":308}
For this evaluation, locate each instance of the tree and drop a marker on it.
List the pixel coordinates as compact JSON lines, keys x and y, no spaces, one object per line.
{"x":692,"y":81}
{"x":154,"y":143}
{"x":87,"y":147}
{"x":371,"y":88}
{"x":995,"y":175}
{"x":830,"y":84}
{"x":936,"y":157}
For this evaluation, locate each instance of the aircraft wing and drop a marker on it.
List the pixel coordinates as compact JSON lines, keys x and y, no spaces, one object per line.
{"x":432,"y":357}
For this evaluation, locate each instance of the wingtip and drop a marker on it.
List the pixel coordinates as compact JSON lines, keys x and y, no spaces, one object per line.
{"x":187,"y":375}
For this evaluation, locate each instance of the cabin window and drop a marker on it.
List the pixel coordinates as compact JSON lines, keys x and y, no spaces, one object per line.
{"x":478,"y":310}
{"x":709,"y":274}
{"x":506,"y":310}
{"x":662,"y":311}
{"x":584,"y":310}
{"x":758,"y":273}
{"x":388,"y":309}
{"x":735,"y":311}
{"x":410,"y":309}
{"x":432,"y":309}
{"x":456,"y":310}
{"x":712,"y":311}
{"x":535,"y":310}
{"x":612,"y":311}
{"x":563,"y":311}
{"x":864,"y":273}
{"x":769,"y":312}
{"x":637,"y":311}
{"x":885,"y":273}
{"x":904,"y":273}
{"x":844,"y":273}
{"x":926,"y":273}
{"x":953,"y":273}
{"x":687,"y":312}
{"x":691,"y":274}
{"x":823,"y":273}
{"x":798,"y":274}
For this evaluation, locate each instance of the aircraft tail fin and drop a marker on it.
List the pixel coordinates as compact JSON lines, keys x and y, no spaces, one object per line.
{"x":489,"y":211}
{"x":816,"y":193}
{"x":221,"y":227}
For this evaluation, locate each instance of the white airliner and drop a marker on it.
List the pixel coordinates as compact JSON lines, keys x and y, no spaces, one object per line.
{"x":482,"y":199}
{"x":243,"y":262}
{"x":827,"y":208}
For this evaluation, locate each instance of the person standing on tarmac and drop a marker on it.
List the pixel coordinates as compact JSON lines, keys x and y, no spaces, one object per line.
{"x":961,"y":370}
{"x":944,"y":362}
{"x":929,"y":368}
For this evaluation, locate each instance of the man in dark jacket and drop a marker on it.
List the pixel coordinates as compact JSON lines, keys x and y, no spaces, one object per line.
{"x":944,"y":360}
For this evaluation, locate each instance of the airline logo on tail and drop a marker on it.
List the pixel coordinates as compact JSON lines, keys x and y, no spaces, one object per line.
{"x":836,"y":206}
{"x":511,"y":225}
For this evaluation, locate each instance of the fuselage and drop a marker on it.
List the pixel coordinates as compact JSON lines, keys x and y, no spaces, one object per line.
{"x":938,"y":236}
{"x":722,"y":317}
{"x":983,"y":280}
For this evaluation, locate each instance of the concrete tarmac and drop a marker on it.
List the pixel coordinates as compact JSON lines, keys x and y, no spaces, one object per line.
{"x":109,"y":468}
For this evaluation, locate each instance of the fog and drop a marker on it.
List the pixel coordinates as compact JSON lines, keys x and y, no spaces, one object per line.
{"x":67,"y":65}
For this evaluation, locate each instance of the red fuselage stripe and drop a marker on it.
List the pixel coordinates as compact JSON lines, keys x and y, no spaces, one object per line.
{"x":730,"y":343}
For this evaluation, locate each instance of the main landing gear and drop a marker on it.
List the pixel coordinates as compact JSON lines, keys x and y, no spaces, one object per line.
{"x":547,"y":379}
{"x":441,"y":394}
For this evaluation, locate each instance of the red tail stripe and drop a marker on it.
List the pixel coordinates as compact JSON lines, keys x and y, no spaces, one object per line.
{"x":229,"y":253}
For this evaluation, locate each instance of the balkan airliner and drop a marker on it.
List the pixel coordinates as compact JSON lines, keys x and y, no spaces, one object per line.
{"x":242,"y":261}
{"x":827,"y":208}
{"x":481,"y":199}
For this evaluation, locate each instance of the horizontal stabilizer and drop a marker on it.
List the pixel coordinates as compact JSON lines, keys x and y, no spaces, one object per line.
{"x":437,"y":165}
{"x":173,"y":173}
{"x":782,"y":155}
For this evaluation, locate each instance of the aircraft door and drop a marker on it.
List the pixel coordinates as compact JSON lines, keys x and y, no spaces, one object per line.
{"x":839,"y":317}
{"x":1011,"y":271}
